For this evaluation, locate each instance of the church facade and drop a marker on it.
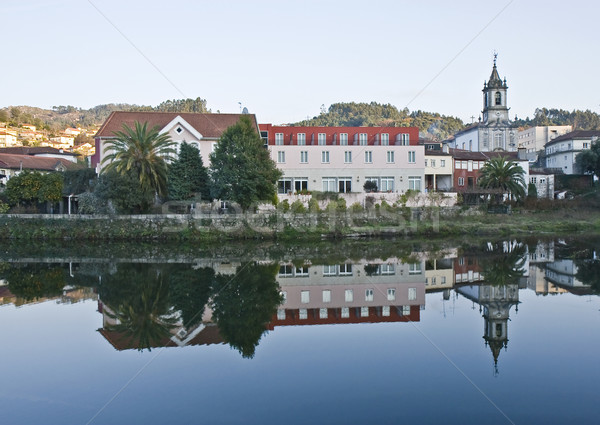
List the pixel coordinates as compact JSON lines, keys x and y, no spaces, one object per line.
{"x":493,"y":132}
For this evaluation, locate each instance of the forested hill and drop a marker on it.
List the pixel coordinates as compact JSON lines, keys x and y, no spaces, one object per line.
{"x":60,"y":117}
{"x":431,"y":125}
{"x":580,"y":120}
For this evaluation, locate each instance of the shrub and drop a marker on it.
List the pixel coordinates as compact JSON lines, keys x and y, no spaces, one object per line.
{"x":313,"y":205}
{"x":370,"y":186}
{"x":341,"y":205}
{"x":283,"y":206}
{"x":356,"y":208}
{"x":298,"y":207}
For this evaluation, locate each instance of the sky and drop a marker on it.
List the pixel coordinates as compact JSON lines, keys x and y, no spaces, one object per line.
{"x":283,"y":60}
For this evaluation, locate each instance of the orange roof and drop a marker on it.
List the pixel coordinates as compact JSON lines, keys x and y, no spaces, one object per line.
{"x":209,"y":125}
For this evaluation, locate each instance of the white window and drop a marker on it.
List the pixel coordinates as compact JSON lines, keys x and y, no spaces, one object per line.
{"x":433,"y":162}
{"x":329,"y":270}
{"x":284,"y":296}
{"x":329,"y":184}
{"x":325,"y":157}
{"x":286,"y":270}
{"x":405,"y":310}
{"x":281,"y":156}
{"x":322,"y":313}
{"x":322,"y":138}
{"x":391,"y":294}
{"x":301,"y":271}
{"x":405,"y":139}
{"x":443,"y":279}
{"x":442,"y":162}
{"x":385,"y":139}
{"x":414,"y":183}
{"x":412,"y":157}
{"x":348,"y":157}
{"x":362,"y":139}
{"x":300,"y":184}
{"x":301,"y":139}
{"x":387,"y":269}
{"x":414,"y":268}
{"x":368,"y":295}
{"x":303,"y":314}
{"x":412,"y":294}
{"x":343,"y":139}
{"x":364,"y":312}
{"x":461,"y":181}
{"x":284,"y":186}
{"x":390,"y":157}
{"x":326,"y":296}
{"x":387,"y":184}
{"x":345,"y":184}
{"x":304,"y":297}
{"x":345,"y":312}
{"x":304,"y":157}
{"x":345,"y":269}
{"x":349,"y":295}
{"x":281,"y":314}
{"x":368,"y":157}
{"x":279,"y":139}
{"x":426,"y":163}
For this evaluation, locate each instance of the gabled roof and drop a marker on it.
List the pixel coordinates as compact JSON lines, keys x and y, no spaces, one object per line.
{"x":578,"y":134}
{"x":482,"y":156}
{"x":27,"y":162}
{"x":209,"y":125}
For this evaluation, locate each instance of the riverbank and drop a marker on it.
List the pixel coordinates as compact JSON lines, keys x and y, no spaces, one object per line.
{"x":429,"y":223}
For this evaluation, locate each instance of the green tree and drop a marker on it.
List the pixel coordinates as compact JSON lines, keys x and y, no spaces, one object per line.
{"x":32,"y":187}
{"x":124,"y":192}
{"x":190,"y":291}
{"x":35,"y":281}
{"x":140,"y":151}
{"x":79,"y":181}
{"x":244,"y":304}
{"x":241,"y":168}
{"x":187,"y":177}
{"x":503,"y":175}
{"x":3,"y":115}
{"x":588,"y":160}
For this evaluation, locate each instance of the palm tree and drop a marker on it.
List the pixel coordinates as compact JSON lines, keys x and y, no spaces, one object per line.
{"x":504,"y":176}
{"x":141,"y":151}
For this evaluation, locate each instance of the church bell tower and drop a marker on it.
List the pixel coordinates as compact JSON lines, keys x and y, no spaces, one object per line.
{"x":495,"y":109}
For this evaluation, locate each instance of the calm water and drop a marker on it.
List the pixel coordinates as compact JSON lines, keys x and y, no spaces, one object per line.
{"x":496,"y":333}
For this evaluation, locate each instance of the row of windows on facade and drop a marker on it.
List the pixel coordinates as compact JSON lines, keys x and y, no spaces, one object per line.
{"x":361,"y":139}
{"x":433,"y":280}
{"x":563,"y":147}
{"x":289,"y":270}
{"x":345,"y":312}
{"x":368,"y":157}
{"x":343,"y":184}
{"x":349,"y":295}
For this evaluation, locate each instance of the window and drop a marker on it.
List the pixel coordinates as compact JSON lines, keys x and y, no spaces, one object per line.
{"x":345,"y":269}
{"x":412,"y":157}
{"x":325,"y":157}
{"x":280,"y":314}
{"x":304,"y":157}
{"x":284,"y":185}
{"x":391,"y":294}
{"x":586,"y":145}
{"x":303,"y":314}
{"x":405,"y":310}
{"x":368,"y":295}
{"x":279,"y":139}
{"x":362,"y":139}
{"x":329,"y":184}
{"x":305,"y":297}
{"x":345,"y":185}
{"x":329,"y":270}
{"x":326,"y":296}
{"x":368,"y":157}
{"x":349,"y":295}
{"x":387,"y":269}
{"x":443,"y":279}
{"x":498,"y":98}
{"x":301,"y":184}
{"x":433,"y":162}
{"x":385,"y":311}
{"x":414,"y":268}
{"x":533,"y":180}
{"x":343,"y":139}
{"x":301,"y":271}
{"x":390,"y":157}
{"x":385,"y":139}
{"x":322,"y":138}
{"x":348,"y":157}
{"x":414,"y":183}
{"x":322,"y":313}
{"x":426,"y":163}
{"x":461,"y":181}
{"x":301,"y":139}
{"x":364,"y":312}
{"x":345,"y":312}
{"x":498,"y":140}
{"x":387,"y":184}
{"x":281,"y":156}
{"x":405,"y":139}
{"x":286,"y":271}
{"x":412,"y":294}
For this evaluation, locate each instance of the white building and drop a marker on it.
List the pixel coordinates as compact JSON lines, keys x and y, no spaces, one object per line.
{"x":534,"y":139}
{"x":562,"y":152}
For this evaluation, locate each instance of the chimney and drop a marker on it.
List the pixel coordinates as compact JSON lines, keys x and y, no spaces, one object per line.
{"x":522,"y":153}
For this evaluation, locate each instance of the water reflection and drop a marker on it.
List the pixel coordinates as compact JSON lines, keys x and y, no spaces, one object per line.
{"x":220,"y":300}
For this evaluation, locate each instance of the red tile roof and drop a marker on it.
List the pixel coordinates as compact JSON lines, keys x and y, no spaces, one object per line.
{"x":28,"y":162}
{"x":481,"y":156}
{"x":209,"y":125}
{"x":579,"y":134}
{"x":25,"y":150}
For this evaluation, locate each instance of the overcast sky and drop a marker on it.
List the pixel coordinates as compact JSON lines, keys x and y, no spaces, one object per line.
{"x":284,"y":59}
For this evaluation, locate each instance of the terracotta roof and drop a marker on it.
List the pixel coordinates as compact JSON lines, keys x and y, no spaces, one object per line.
{"x":482,"y":156}
{"x":24,"y":150}
{"x":28,"y":162}
{"x":209,"y":125}
{"x":578,"y":134}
